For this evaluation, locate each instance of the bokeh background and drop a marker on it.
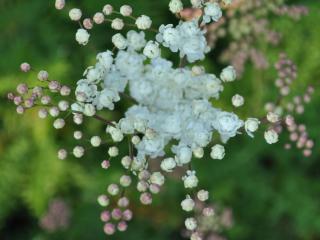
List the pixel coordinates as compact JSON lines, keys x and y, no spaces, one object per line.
{"x":273,"y":193}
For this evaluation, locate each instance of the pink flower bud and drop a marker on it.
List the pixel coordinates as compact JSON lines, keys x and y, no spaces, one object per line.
{"x":20,"y":110}
{"x":105,"y":164}
{"x":28,"y":103}
{"x":122,"y":226}
{"x":17,"y":100}
{"x":43,"y":75}
{"x":116,"y":214}
{"x":109,"y":228}
{"x":87,"y":23}
{"x":54,"y":86}
{"x":98,"y":18}
{"x":208,"y":212}
{"x":25,"y":67}
{"x":59,"y":4}
{"x":123,"y":202}
{"x":307,"y":152}
{"x":146,"y":198}
{"x":154,"y":188}
{"x":127,"y":215}
{"x":105,"y":216}
{"x":42,"y":113}
{"x":10,"y":96}
{"x":62,"y":154}
{"x":65,"y":91}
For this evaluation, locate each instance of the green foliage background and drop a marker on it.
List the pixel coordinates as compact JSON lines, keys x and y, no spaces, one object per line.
{"x":274,"y":194}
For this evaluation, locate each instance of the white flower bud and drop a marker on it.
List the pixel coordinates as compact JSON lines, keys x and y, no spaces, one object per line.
{"x":251,"y":125}
{"x":98,"y":18}
{"x":77,"y":135}
{"x":168,"y":164}
{"x":154,"y":188}
{"x":187,"y":204}
{"x":271,"y":136}
{"x":59,"y":123}
{"x":59,"y":4}
{"x":203,"y":195}
{"x":125,"y":181}
{"x":143,"y":22}
{"x":82,"y":36}
{"x":126,"y":10}
{"x":152,"y":50}
{"x":113,"y":151}
{"x":54,"y":111}
{"x":237,"y":100}
{"x":89,"y":110}
{"x":103,"y":200}
{"x":95,"y":141}
{"x":78,"y":151}
{"x":113,"y":189}
{"x":135,"y":140}
{"x":157,"y":178}
{"x":198,"y":152}
{"x":126,"y":162}
{"x":75,"y":14}
{"x":175,"y":6}
{"x":217,"y":152}
{"x":62,"y":154}
{"x":107,"y":9}
{"x":191,"y":224}
{"x":142,"y":186}
{"x":43,"y":75}
{"x":117,"y":24}
{"x":42,"y":113}
{"x":119,"y":41}
{"x":272,"y":117}
{"x":228,"y":74}
{"x":63,"y":105}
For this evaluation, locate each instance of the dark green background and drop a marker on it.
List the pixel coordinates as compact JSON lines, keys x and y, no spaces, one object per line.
{"x":274,"y":193}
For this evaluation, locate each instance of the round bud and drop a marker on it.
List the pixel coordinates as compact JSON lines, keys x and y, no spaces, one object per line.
{"x":123,"y":202}
{"x":42,"y":113}
{"x":125,"y":181}
{"x":187,"y":204}
{"x":116,"y":214}
{"x":217,"y":152}
{"x":146,"y":198}
{"x":95,"y":141}
{"x":54,"y":86}
{"x":126,"y":162}
{"x":113,"y":151}
{"x":103,"y":200}
{"x":43,"y":75}
{"x":208,"y":212}
{"x":105,"y":216}
{"x":135,"y":140}
{"x":65,"y":91}
{"x":237,"y":100}
{"x":59,"y":123}
{"x":122,"y":226}
{"x":54,"y":111}
{"x":78,"y":118}
{"x":87,"y":23}
{"x":113,"y":189}
{"x":98,"y":18}
{"x":22,"y":88}
{"x":191,"y":224}
{"x":154,"y":188}
{"x":228,"y":74}
{"x":203,"y":195}
{"x":63,"y":105}
{"x":107,"y":9}
{"x":45,"y":100}
{"x":109,"y":229}
{"x":105,"y":164}
{"x":62,"y":154}
{"x":127,"y":215}
{"x":144,"y":175}
{"x":17,"y":100}
{"x":28,"y":103}
{"x":59,"y":4}
{"x":25,"y":67}
{"x":77,"y":135}
{"x":75,"y":14}
{"x":142,"y":186}
{"x":78,"y":151}
{"x":117,"y":24}
{"x":20,"y":110}
{"x":126,"y":10}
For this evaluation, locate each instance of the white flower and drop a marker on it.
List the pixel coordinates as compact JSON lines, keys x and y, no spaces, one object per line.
{"x":190,"y":180}
{"x":117,"y":24}
{"x":169,"y":37}
{"x":251,"y":125}
{"x":271,"y":136}
{"x":227,"y":124}
{"x":237,"y":100}
{"x":82,"y":36}
{"x":228,"y":74}
{"x":187,"y":204}
{"x":157,"y":178}
{"x":212,"y":11}
{"x":119,"y":41}
{"x":198,"y":152}
{"x":191,"y":224}
{"x":136,"y":41}
{"x":95,"y":141}
{"x":143,"y":22}
{"x":152,"y":50}
{"x":98,"y":18}
{"x":203,"y":195}
{"x":59,"y":123}
{"x":126,"y":10}
{"x":75,"y":14}
{"x":59,"y":4}
{"x":106,"y":98}
{"x":217,"y":152}
{"x":168,"y":164}
{"x":113,"y":151}
{"x":183,"y":154}
{"x":273,"y":117}
{"x":175,"y":6}
{"x":115,"y":133}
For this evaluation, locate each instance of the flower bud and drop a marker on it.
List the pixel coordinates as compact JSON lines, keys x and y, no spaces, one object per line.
{"x":271,"y":136}
{"x":78,"y":151}
{"x":228,"y":74}
{"x":217,"y":152}
{"x":113,"y":189}
{"x":187,"y":204}
{"x":98,"y":18}
{"x":126,"y":10}
{"x":75,"y":14}
{"x":25,"y":67}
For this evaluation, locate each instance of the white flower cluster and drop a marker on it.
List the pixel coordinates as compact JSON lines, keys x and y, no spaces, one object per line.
{"x":187,"y":38}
